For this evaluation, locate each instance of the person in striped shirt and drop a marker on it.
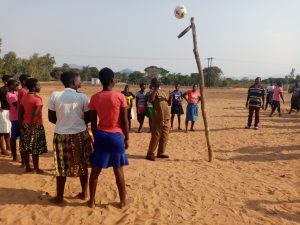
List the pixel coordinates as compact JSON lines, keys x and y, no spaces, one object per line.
{"x":255,"y":101}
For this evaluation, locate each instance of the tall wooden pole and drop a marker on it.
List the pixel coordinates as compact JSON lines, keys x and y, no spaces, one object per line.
{"x":201,"y":85}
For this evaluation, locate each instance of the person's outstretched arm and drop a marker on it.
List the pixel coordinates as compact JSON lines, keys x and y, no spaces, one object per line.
{"x":52,"y":116}
{"x":93,"y":119}
{"x":281,"y":96}
{"x":184,"y":96}
{"x":248,"y":96}
{"x":124,"y":125}
{"x":263,"y":99}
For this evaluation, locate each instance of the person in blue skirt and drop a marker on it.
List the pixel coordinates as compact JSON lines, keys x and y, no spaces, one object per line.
{"x":111,"y":135}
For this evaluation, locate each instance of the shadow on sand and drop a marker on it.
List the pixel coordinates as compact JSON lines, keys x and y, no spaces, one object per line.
{"x":22,"y":196}
{"x":262,"y":153}
{"x":258,"y":205}
{"x":11,"y":167}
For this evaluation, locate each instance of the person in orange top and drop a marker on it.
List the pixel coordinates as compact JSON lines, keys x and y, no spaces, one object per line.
{"x":31,"y":125}
{"x":23,"y":90}
{"x":111,"y":135}
{"x":192,"y":109}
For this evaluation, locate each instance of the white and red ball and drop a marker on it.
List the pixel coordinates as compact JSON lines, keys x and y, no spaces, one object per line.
{"x":180,"y":11}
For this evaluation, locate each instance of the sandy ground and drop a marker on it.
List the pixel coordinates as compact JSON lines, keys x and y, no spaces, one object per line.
{"x":254,"y":178}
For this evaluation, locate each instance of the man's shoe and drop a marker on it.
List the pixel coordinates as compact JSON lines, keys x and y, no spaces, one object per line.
{"x":163,"y":156}
{"x":150,"y":157}
{"x":256,"y":127}
{"x":247,"y":127}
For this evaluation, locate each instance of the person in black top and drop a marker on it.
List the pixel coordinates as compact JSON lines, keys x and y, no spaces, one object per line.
{"x":5,"y":124}
{"x":255,"y":101}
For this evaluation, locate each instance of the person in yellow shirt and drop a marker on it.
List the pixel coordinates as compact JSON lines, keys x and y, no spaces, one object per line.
{"x":129,"y":99}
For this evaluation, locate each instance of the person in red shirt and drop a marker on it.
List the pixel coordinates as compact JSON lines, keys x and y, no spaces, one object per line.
{"x":23,"y":90}
{"x":110,"y":135}
{"x":192,"y":108}
{"x":31,"y":125}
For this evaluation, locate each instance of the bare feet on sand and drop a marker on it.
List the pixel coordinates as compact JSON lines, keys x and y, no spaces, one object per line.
{"x":91,"y":204}
{"x":81,"y":196}
{"x":56,"y":201}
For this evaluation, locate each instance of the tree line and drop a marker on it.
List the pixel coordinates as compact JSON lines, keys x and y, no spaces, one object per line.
{"x":43,"y":68}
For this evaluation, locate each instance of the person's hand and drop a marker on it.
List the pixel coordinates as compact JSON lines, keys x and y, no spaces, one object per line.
{"x":126,"y":144}
{"x":246,"y":104}
{"x":30,"y":131}
{"x":22,"y":132}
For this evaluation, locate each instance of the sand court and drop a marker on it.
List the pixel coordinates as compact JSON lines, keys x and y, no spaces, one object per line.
{"x":253,"y":179}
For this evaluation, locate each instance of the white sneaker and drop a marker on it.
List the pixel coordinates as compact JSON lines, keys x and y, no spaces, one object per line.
{"x":256,"y":128}
{"x":247,"y":127}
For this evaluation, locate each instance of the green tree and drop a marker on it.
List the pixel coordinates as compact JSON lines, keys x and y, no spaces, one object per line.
{"x":10,"y":63}
{"x":94,"y":72}
{"x":40,"y":67}
{"x":88,"y":72}
{"x":212,"y":76}
{"x":121,"y":77}
{"x":65,"y":67}
{"x":137,"y":77}
{"x":1,"y":66}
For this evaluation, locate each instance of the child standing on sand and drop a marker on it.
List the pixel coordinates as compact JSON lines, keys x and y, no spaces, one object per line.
{"x":129,"y":98}
{"x":110,"y":136}
{"x":149,"y":109}
{"x":31,"y":125}
{"x":193,"y":98}
{"x":141,"y":105}
{"x":68,"y":110}
{"x":12,"y":99}
{"x":176,"y":108}
{"x":277,"y":94}
{"x":22,"y":92}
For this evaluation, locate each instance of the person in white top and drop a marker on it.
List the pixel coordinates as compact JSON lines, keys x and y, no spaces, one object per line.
{"x":270,"y":90}
{"x":68,"y":110}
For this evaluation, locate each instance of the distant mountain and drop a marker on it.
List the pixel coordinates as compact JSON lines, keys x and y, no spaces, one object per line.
{"x":75,"y":66}
{"x":126,"y":71}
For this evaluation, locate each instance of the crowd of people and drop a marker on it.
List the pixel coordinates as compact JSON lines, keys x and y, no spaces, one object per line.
{"x":109,"y":113}
{"x":76,"y":146}
{"x":256,"y":100}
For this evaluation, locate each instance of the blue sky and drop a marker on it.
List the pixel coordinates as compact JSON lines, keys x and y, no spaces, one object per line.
{"x":247,"y":38}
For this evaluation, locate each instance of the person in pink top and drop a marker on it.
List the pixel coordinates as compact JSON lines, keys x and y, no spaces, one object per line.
{"x":31,"y":125}
{"x":193,"y":98}
{"x":110,"y":135}
{"x":12,"y":99}
{"x":277,"y":94}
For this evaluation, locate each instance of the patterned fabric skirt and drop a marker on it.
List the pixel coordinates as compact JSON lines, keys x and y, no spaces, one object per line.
{"x":34,"y":143}
{"x":71,"y":153}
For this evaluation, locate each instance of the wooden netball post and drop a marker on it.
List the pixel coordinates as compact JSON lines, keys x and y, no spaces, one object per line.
{"x":201,"y":84}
